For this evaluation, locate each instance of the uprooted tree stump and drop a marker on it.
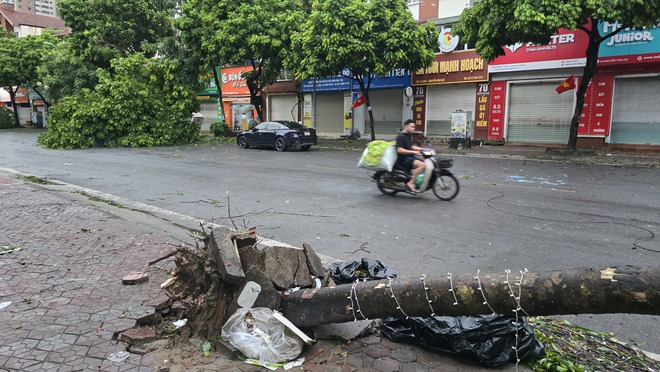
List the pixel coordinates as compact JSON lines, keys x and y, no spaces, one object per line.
{"x":230,"y":271}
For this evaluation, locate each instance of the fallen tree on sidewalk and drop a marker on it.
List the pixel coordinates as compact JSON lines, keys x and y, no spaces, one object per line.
{"x":235,"y":269}
{"x":586,"y":291}
{"x":231,"y":264}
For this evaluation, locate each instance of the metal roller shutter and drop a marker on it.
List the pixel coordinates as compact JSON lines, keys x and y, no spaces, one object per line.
{"x":330,"y":113}
{"x":387,"y":107}
{"x":635,"y":111}
{"x":442,"y":101}
{"x":283,"y":107}
{"x":538,"y":114}
{"x":210,"y":112}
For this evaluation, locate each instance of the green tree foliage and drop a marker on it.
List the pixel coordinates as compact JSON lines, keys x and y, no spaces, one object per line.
{"x":9,"y":74}
{"x":65,"y":74}
{"x":233,"y":32}
{"x":492,"y":24}
{"x":6,"y":118}
{"x":141,"y":104}
{"x":19,"y":60}
{"x":360,"y":39}
{"x":106,"y":29}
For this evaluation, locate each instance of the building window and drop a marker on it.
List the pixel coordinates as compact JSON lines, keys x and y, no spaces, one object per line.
{"x":284,"y":75}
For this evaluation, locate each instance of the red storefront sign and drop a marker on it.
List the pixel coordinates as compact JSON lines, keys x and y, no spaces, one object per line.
{"x":566,"y":49}
{"x":597,"y":108}
{"x":481,"y":111}
{"x":22,"y":96}
{"x":233,"y":83}
{"x":419,"y":108}
{"x":497,"y":102}
{"x":449,"y":68}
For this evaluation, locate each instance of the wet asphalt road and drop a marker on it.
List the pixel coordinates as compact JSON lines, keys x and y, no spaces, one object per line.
{"x":510,"y":214}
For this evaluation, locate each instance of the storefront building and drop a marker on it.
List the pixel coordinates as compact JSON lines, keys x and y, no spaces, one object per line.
{"x":209,"y":101}
{"x":240,"y":113}
{"x":629,"y":62}
{"x":619,"y":106}
{"x":327,"y":105}
{"x":283,"y":100}
{"x":456,"y":82}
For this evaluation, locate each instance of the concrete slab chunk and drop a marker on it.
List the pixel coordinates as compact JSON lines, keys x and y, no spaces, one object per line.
{"x":138,"y":335}
{"x":303,"y":277}
{"x":226,"y":254}
{"x":281,"y":264}
{"x":135,"y":278}
{"x":313,"y":261}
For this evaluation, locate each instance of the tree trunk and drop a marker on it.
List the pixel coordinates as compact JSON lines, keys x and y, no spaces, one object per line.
{"x":371,"y":116}
{"x":583,"y":291}
{"x":587,"y":74}
{"x":255,"y":96}
{"x":12,"y":98}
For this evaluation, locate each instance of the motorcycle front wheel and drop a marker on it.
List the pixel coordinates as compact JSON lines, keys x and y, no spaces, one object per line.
{"x":446,"y":187}
{"x":382,"y":179}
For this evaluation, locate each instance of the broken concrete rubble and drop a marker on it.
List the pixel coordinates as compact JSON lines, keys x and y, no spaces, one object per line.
{"x":232,"y":270}
{"x":135,"y":278}
{"x":138,"y":335}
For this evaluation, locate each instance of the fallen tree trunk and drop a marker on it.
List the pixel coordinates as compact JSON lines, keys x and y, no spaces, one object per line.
{"x":584,"y":291}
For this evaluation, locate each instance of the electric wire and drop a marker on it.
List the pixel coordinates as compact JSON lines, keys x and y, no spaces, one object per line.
{"x":635,"y":242}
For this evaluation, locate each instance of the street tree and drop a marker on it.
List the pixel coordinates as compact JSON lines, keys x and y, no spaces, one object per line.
{"x":231,"y":33}
{"x":106,"y":29}
{"x":64,"y":74}
{"x":9,"y":71}
{"x":360,"y":40}
{"x":493,"y":24}
{"x":19,"y":60}
{"x":198,"y":19}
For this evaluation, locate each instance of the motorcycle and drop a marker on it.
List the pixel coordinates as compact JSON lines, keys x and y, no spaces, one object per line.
{"x":436,"y":177}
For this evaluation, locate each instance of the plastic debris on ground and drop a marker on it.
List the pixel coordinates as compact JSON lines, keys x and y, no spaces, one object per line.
{"x":274,"y":366}
{"x":259,"y":335}
{"x":489,"y":339}
{"x":180,"y":323}
{"x":119,"y":356}
{"x":4,"y":304}
{"x":366,"y":269}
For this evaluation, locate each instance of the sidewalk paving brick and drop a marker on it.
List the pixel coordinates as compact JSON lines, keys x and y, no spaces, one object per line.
{"x":65,"y":287}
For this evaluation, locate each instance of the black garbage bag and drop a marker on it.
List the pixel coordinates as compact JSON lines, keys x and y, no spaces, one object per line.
{"x":488,"y":339}
{"x":349,"y":272}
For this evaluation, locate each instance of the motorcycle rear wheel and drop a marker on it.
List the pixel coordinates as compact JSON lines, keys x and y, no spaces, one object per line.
{"x":446,"y":187}
{"x":382,"y":180}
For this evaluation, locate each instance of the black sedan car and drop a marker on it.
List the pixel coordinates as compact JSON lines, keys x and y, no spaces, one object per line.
{"x":279,"y":135}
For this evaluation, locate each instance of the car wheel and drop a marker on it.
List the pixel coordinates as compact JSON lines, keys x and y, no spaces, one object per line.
{"x":305,"y":147}
{"x":242,"y":142}
{"x":280,"y":144}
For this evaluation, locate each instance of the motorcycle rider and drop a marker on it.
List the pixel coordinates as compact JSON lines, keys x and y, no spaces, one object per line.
{"x":407,"y":153}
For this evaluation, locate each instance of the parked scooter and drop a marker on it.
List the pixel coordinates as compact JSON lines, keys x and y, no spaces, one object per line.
{"x":436,"y":177}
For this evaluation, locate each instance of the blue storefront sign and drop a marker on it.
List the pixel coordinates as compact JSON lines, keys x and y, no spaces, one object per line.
{"x":629,"y":41}
{"x":397,"y":78}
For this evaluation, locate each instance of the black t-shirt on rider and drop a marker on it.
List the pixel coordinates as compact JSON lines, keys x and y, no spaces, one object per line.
{"x":404,"y":140}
